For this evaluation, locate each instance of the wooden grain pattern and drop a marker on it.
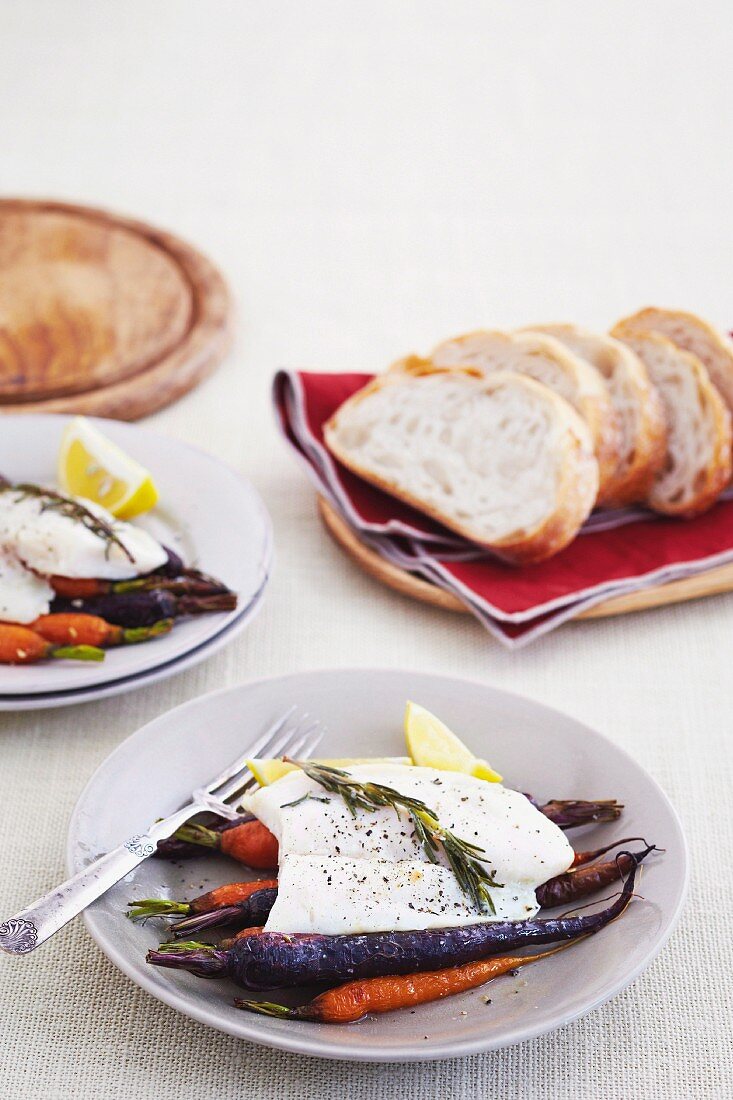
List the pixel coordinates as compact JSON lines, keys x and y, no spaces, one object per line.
{"x":101,"y":314}
{"x":711,"y":583}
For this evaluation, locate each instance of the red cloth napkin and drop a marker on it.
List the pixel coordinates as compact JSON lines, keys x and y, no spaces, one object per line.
{"x":618,"y":552}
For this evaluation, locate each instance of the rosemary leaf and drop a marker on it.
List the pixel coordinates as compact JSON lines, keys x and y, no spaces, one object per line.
{"x":307,"y":797}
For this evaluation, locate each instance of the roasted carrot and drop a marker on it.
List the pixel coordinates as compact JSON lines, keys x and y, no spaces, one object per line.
{"x":174,"y":848}
{"x":232,"y":893}
{"x":256,"y":907}
{"x":574,"y":885}
{"x":145,"y":607}
{"x":70,"y":628}
{"x":250,"y":843}
{"x":581,"y":858}
{"x":19,"y":645}
{"x":72,"y":588}
{"x":352,"y":1001}
{"x":569,"y":813}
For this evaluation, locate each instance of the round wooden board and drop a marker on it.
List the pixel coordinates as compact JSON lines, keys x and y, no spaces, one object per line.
{"x":711,"y":583}
{"x":101,"y":314}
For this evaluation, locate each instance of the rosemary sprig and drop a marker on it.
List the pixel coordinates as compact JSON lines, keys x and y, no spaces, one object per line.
{"x":464,"y":858}
{"x":71,"y":509}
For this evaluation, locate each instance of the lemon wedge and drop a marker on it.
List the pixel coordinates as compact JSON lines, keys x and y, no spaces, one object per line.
{"x":92,"y":466}
{"x":432,"y":745}
{"x":269,"y":771}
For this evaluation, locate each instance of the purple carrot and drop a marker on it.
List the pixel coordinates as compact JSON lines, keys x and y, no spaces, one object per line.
{"x":143,"y":608}
{"x":269,"y":960}
{"x":173,"y":565}
{"x":574,"y":885}
{"x":569,"y":813}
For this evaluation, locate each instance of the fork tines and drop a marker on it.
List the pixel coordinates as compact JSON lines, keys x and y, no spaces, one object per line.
{"x":292,"y":733}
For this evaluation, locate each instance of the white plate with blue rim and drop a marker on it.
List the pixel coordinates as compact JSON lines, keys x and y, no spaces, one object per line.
{"x":207,"y":514}
{"x":537,"y":749}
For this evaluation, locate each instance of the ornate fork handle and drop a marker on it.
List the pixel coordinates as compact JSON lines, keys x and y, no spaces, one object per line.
{"x":32,"y":926}
{"x":292,"y":732}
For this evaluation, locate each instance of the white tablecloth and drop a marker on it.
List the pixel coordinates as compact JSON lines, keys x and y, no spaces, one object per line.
{"x":374,"y":176}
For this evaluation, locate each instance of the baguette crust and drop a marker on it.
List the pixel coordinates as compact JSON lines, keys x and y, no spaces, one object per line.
{"x":692,"y":334}
{"x":638,"y":406}
{"x":548,"y":361}
{"x":712,"y":472}
{"x":577,"y":481}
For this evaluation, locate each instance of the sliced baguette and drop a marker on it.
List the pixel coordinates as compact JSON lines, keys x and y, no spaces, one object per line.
{"x":691,"y":333}
{"x":546,"y":360}
{"x":638,"y":408}
{"x":697,"y":465}
{"x":502,"y":460}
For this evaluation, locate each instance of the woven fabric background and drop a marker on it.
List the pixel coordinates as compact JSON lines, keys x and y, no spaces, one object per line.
{"x":373,"y":177}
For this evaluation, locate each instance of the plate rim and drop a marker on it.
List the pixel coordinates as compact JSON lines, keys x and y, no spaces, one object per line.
{"x":265,"y":563}
{"x":95,"y":692}
{"x":242,"y":1029}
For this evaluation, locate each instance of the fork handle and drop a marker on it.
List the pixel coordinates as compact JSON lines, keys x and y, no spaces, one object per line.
{"x":28,"y":929}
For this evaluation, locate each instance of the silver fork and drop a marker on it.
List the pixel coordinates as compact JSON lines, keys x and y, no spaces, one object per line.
{"x":292,"y":733}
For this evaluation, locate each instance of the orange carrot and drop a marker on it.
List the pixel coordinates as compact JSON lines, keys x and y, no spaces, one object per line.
{"x":233,"y":894}
{"x":250,"y":843}
{"x":240,"y":935}
{"x":74,"y":628}
{"x":352,"y":1001}
{"x":229,"y":894}
{"x":19,"y":645}
{"x":72,"y":588}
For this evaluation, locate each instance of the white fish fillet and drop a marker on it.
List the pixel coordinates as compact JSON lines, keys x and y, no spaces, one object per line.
{"x":372,"y":859}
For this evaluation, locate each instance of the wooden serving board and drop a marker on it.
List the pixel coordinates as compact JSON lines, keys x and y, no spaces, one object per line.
{"x":101,"y":314}
{"x":711,"y":583}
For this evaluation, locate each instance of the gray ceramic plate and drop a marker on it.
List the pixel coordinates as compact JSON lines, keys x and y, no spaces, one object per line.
{"x":200,"y":498}
{"x":537,"y":749}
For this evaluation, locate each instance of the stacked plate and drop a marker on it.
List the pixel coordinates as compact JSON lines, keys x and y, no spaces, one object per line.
{"x":207,"y":513}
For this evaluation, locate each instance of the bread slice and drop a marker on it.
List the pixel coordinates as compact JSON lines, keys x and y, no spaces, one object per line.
{"x":691,"y":333}
{"x":638,"y":408}
{"x":502,"y":460}
{"x":546,"y":360}
{"x":697,"y":465}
